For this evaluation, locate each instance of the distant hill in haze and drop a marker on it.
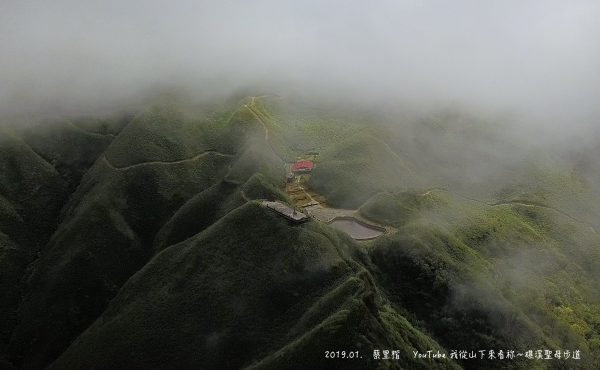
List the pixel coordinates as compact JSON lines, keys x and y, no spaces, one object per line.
{"x":141,"y":242}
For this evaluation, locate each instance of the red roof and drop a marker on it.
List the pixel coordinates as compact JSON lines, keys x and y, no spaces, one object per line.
{"x":304,"y":165}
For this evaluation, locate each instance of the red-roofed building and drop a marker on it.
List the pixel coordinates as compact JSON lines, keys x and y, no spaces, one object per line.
{"x":303,"y":166}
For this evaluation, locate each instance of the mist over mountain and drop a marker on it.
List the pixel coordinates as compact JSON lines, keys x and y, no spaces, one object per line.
{"x":145,"y":148}
{"x":538,"y":59}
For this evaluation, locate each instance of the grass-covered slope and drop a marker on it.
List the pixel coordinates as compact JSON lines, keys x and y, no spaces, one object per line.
{"x":212,"y":204}
{"x":106,"y":235}
{"x":31,"y":194}
{"x":260,"y":186}
{"x":304,"y":128}
{"x":256,"y":172}
{"x":164,"y":257}
{"x":469,"y":153}
{"x":352,"y":171}
{"x":556,"y":185}
{"x":253,"y":285}
{"x":392,"y":209}
{"x":111,"y":125}
{"x":198,"y":213}
{"x":13,"y":262}
{"x":256,"y":156}
{"x":68,"y":148}
{"x":496,"y":277}
{"x":163,"y":133}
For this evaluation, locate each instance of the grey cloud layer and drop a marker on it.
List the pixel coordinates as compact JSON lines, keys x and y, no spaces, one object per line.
{"x":540,"y":58}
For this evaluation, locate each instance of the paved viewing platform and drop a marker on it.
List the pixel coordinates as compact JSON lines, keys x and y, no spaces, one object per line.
{"x":286,"y":211}
{"x":326,"y":214}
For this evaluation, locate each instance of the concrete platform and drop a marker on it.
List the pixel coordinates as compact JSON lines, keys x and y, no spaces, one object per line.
{"x":325,"y":214}
{"x":286,"y":211}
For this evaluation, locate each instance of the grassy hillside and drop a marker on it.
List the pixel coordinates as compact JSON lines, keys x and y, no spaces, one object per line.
{"x":68,"y":148}
{"x":554,"y":184}
{"x":304,"y":128}
{"x":256,"y":173}
{"x":31,"y":194}
{"x":353,"y":170}
{"x":112,"y":125}
{"x":393,"y":209}
{"x":479,"y":276}
{"x":13,"y":262}
{"x":140,"y":242}
{"x":165,"y":134}
{"x":256,"y":156}
{"x":106,"y":235}
{"x":270,"y":289}
{"x":199,"y":213}
{"x":110,"y":226}
{"x":259,"y":187}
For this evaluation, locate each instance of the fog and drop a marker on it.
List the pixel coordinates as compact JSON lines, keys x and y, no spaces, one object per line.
{"x":536,"y":60}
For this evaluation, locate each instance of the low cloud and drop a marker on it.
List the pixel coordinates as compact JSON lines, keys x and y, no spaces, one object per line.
{"x":538,"y":60}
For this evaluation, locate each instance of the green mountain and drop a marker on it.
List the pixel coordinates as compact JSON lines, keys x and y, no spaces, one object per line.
{"x":142,"y":241}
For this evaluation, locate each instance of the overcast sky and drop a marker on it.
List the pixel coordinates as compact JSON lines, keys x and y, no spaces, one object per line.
{"x":540,"y":56}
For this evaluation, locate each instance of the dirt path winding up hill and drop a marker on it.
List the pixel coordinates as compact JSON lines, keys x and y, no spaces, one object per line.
{"x":194,"y":158}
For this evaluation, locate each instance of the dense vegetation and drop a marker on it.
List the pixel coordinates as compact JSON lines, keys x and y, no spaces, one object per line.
{"x":269,"y":289}
{"x":352,"y":171}
{"x":140,"y":241}
{"x":479,"y":276}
